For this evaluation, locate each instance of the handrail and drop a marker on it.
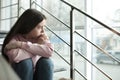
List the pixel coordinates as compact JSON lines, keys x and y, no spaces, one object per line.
{"x":114,"y":31}
{"x":72,"y":7}
{"x":113,"y":57}
{"x":93,"y":65}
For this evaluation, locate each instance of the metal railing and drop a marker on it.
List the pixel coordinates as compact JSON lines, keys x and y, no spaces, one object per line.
{"x":71,"y":38}
{"x":104,"y":25}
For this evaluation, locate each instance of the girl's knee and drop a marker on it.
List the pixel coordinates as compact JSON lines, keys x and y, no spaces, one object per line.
{"x":26,"y":65}
{"x":45,"y":62}
{"x":44,"y":69}
{"x":24,"y":69}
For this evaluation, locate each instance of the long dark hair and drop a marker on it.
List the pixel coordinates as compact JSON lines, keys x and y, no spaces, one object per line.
{"x":25,"y":23}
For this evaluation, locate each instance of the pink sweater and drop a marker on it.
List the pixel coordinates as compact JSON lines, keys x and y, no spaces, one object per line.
{"x":29,"y":49}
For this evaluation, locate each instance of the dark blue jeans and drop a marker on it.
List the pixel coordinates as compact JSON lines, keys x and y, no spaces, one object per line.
{"x":43,"y":69}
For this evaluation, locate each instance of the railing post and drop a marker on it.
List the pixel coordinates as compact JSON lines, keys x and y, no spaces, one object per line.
{"x":18,"y":9}
{"x":30,"y":3}
{"x":0,"y":14}
{"x":71,"y":45}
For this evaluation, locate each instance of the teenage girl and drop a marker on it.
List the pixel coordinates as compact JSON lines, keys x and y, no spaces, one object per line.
{"x":27,"y":47}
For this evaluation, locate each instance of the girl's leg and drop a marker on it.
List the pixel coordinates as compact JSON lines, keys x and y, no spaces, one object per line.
{"x":44,"y":69}
{"x":24,"y":69}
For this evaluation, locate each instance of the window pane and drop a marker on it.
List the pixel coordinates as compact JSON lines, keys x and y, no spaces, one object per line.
{"x":5,"y":25}
{"x":5,"y":13}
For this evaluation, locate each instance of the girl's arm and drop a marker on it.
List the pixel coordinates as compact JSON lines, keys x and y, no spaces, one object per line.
{"x":13,"y":44}
{"x":44,"y":50}
{"x":17,"y":55}
{"x":42,"y":47}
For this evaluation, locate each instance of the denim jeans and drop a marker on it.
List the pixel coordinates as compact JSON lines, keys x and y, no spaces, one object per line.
{"x":43,"y":69}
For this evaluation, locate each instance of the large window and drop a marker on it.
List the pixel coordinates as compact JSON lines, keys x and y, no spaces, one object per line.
{"x":8,"y":14}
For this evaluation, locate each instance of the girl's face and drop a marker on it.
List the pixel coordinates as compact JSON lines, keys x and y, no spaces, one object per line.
{"x":37,"y":31}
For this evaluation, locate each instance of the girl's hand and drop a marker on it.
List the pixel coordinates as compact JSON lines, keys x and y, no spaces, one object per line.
{"x":13,"y":45}
{"x":42,"y":38}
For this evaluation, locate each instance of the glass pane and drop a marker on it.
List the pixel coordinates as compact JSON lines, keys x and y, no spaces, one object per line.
{"x":5,"y":25}
{"x":25,"y":4}
{"x":5,"y":3}
{"x":14,"y":11}
{"x":5,"y":13}
{"x":14,"y":1}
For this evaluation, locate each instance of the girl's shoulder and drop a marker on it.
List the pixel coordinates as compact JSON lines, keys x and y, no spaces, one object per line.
{"x":20,"y":37}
